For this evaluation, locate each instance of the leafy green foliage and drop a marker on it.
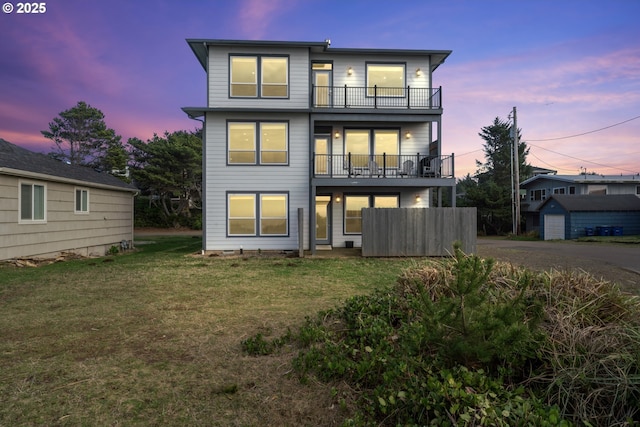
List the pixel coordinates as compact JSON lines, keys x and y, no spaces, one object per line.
{"x":82,"y":138}
{"x":469,"y":342}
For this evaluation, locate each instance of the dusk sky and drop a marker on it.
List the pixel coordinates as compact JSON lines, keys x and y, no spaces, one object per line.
{"x":569,"y":66}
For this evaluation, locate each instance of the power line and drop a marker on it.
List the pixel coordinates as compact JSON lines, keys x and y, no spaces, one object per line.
{"x":583,"y":160}
{"x":586,"y":133}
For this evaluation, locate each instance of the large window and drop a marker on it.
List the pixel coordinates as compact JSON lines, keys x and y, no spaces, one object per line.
{"x":353,"y":205}
{"x":385,"y":79}
{"x":258,"y":214}
{"x":32,"y":203}
{"x":82,"y":201}
{"x":372,"y":144}
{"x":270,"y":139}
{"x":273,"y":76}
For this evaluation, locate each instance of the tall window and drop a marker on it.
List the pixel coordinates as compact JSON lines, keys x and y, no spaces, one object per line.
{"x":274,"y":76}
{"x":388,"y":79}
{"x":244,"y":76}
{"x":82,"y":201}
{"x":32,"y":202}
{"x":353,"y":205}
{"x":245,"y":139}
{"x":273,"y":215}
{"x":257,"y":214}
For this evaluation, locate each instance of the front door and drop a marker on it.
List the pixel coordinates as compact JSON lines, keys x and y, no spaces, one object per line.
{"x":323,"y":220}
{"x":322,"y":74}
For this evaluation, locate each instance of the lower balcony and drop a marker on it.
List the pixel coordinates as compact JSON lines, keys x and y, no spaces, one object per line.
{"x":382,"y":166}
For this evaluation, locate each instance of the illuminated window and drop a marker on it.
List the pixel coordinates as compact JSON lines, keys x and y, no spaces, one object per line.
{"x":32,"y":203}
{"x":242,"y":215}
{"x":271,"y":141}
{"x":247,"y":217}
{"x":362,"y":143}
{"x":82,"y":201}
{"x":385,"y":79}
{"x":353,"y":205}
{"x":244,"y":76}
{"x":273,"y":215}
{"x":242,"y":143}
{"x":274,"y":77}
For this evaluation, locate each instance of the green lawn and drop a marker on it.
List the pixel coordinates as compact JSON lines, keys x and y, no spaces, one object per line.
{"x":153,"y":337}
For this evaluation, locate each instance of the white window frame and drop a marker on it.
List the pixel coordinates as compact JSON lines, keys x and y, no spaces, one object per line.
{"x":30,"y":220}
{"x":84,"y":197}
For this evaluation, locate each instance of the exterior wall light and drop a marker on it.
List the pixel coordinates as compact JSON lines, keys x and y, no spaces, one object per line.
{"x":350,"y":71}
{"x":338,"y":198}
{"x":417,"y":198}
{"x":407,"y":135}
{"x":418,"y":72}
{"x":336,"y":135}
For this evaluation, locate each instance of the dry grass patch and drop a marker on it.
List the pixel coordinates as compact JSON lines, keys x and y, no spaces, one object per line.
{"x":153,"y":338}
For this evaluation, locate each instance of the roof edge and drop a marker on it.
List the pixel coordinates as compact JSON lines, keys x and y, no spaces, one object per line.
{"x":54,"y":178}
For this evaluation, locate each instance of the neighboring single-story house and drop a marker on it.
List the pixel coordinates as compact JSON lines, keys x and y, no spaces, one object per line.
{"x":48,"y":207}
{"x":564,"y":216}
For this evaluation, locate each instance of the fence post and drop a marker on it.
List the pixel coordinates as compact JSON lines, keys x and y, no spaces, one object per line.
{"x":301,"y":232}
{"x":345,"y":96}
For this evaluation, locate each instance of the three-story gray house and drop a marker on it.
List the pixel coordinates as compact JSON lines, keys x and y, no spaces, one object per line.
{"x":292,"y":125}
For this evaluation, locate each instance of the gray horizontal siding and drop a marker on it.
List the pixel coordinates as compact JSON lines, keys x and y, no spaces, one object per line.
{"x":219,"y":78}
{"x":221,"y":179}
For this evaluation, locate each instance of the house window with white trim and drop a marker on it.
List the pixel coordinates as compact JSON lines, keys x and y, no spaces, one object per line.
{"x":353,"y":205}
{"x":257,"y":214}
{"x":82,"y":200}
{"x":33,"y":202}
{"x":271,"y":71}
{"x":247,"y":139}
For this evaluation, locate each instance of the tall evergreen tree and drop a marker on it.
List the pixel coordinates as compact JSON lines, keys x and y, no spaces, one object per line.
{"x":169,"y":168}
{"x":81,"y":137}
{"x":490,"y":188}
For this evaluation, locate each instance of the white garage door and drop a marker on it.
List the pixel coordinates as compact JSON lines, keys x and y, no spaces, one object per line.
{"x":553,"y":227}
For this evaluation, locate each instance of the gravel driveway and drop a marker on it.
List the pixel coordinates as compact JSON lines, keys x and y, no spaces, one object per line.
{"x":613,"y":262}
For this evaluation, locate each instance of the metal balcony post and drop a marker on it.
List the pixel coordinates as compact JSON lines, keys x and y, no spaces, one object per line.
{"x":345,"y":96}
{"x":375,"y":96}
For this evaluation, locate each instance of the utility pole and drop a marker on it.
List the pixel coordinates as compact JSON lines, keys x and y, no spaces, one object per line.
{"x":516,"y":175}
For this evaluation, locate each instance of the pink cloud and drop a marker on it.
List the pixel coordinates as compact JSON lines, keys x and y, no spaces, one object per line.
{"x":256,"y":16}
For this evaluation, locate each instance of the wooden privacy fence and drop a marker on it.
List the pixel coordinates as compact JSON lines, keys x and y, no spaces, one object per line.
{"x":417,"y":232}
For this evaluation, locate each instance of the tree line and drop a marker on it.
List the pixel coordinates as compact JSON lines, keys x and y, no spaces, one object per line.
{"x":166,"y":168}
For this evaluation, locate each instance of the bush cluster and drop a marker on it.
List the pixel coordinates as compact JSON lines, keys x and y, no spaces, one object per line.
{"x":469,"y":342}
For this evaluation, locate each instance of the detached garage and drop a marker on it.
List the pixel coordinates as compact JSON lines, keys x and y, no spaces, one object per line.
{"x":565,"y":216}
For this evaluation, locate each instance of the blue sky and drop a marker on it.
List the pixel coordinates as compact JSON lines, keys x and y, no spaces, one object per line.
{"x":570,"y":67}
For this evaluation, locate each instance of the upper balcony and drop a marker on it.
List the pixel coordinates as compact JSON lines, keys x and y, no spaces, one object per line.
{"x":374,"y":97}
{"x":381,"y":166}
